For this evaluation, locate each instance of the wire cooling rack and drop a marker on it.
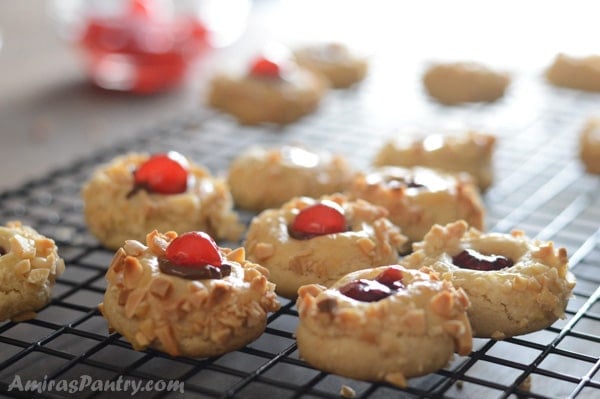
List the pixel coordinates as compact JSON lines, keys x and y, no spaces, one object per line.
{"x":540,"y":187}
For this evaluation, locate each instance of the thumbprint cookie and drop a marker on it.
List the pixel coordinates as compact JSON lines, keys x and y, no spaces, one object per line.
{"x":342,"y":66}
{"x":184,"y":295}
{"x":469,"y":152}
{"x":138,"y":192}
{"x":383,"y":324}
{"x":273,"y":90}
{"x":464,"y":82}
{"x":516,"y":284}
{"x":262,"y":178}
{"x":311,"y":240}
{"x":417,"y":198}
{"x":29,"y":266}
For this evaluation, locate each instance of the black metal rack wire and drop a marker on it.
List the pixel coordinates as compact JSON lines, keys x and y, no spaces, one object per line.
{"x":540,"y":187}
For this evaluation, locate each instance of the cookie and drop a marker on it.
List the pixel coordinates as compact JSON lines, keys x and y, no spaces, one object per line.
{"x":580,"y":73}
{"x":589,"y":145}
{"x":517,"y":285}
{"x":183,"y":295}
{"x":418,"y":197}
{"x":469,"y":152}
{"x":311,"y":240}
{"x":262,"y":178}
{"x":271,"y":91}
{"x":342,"y":66}
{"x":464,"y":82}
{"x":29,"y":266}
{"x":383,"y":324}
{"x":136,"y":193}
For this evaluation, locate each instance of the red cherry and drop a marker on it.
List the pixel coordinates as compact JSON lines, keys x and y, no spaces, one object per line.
{"x":391,"y":278}
{"x":265,"y":67}
{"x":194,"y":249}
{"x":326,"y":217}
{"x":163,"y":174}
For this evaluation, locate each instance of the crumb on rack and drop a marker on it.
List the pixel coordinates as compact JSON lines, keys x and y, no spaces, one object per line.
{"x":347,"y":392}
{"x":525,"y":386}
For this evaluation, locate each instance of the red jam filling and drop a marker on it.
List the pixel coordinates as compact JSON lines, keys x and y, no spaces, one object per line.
{"x":385,"y":284}
{"x":264,"y":67}
{"x":323,"y":218}
{"x":474,"y":260}
{"x":148,"y":50}
{"x":161,"y":174}
{"x":194,"y":255}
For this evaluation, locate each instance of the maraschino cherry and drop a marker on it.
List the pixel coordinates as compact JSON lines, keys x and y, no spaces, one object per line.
{"x":474,"y":260}
{"x":264,"y":67}
{"x":165,"y":173}
{"x":326,"y":217}
{"x":194,"y":255}
{"x":195,"y":248}
{"x":384,"y":285}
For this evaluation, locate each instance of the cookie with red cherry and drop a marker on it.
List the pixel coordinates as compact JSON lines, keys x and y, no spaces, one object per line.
{"x":186,"y":296}
{"x":318,"y":240}
{"x":516,"y":284}
{"x":139,"y":192}
{"x":385,"y":323}
{"x":272,"y":89}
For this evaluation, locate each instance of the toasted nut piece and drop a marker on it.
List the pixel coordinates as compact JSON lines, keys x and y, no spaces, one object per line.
{"x":238,"y":255}
{"x":134,"y":248}
{"x":22,"y":246}
{"x":443,"y":303}
{"x":38,"y":276}
{"x":133,"y":300}
{"x":396,"y":379}
{"x":23,"y":266}
{"x":165,"y":336}
{"x":160,"y":287}
{"x":133,"y":272}
{"x":264,"y":250}
{"x":366,"y":245}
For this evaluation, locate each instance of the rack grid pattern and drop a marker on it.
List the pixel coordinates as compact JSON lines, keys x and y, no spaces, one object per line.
{"x":540,"y":188}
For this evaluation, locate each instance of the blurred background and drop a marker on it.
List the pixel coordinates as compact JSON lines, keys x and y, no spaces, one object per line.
{"x":51,"y":113}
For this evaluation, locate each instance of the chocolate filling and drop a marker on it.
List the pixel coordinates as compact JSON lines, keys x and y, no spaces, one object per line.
{"x":200,"y":272}
{"x":299,"y":235}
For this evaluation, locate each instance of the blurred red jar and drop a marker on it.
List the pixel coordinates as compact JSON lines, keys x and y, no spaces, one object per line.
{"x":144,"y":48}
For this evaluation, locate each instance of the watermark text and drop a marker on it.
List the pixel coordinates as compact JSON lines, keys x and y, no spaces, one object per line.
{"x":86,"y":382}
